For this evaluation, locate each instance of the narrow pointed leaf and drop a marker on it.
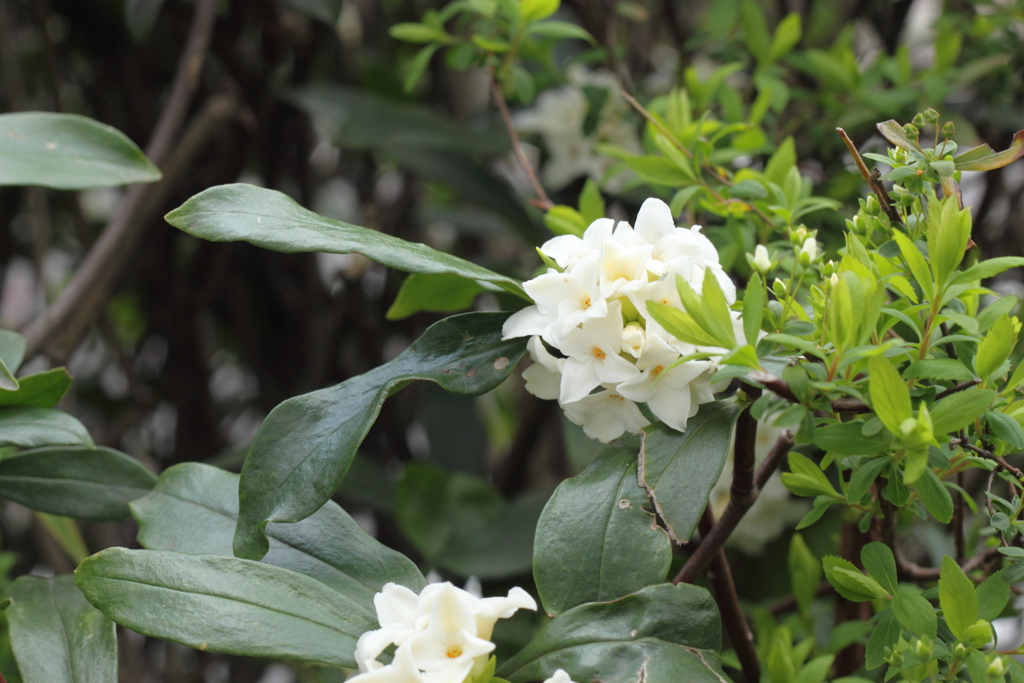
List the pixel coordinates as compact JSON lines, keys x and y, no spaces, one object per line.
{"x":984,"y":158}
{"x":662,"y":633}
{"x":593,"y":530}
{"x":894,"y":133}
{"x":274,"y":221}
{"x":890,"y":397}
{"x":957,"y":597}
{"x":194,"y":507}
{"x":224,"y":604}
{"x":68,"y":152}
{"x":74,"y":481}
{"x":679,"y":470}
{"x":306,"y":444}
{"x":57,"y":636}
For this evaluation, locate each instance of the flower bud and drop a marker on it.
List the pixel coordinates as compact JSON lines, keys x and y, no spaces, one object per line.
{"x":779,"y":287}
{"x":948,"y":129}
{"x":856,"y":225}
{"x":893,"y":657}
{"x":762,"y":261}
{"x":797,"y":236}
{"x":997,"y":668}
{"x":919,"y":120}
{"x":930,"y":115}
{"x":634,"y":339}
{"x":912,"y":131}
{"x":834,"y":279}
{"x":828,"y":268}
{"x":808,"y":252}
{"x":979,"y":634}
{"x":873,"y":207}
{"x":960,"y":651}
{"x":923,"y":648}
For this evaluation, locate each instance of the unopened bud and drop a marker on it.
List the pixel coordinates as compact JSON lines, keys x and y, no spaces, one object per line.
{"x":997,"y":668}
{"x":779,"y":287}
{"x":834,"y":279}
{"x":930,"y":115}
{"x":960,"y":651}
{"x":762,"y":261}
{"x":893,"y":657}
{"x":979,"y":634}
{"x":873,"y":207}
{"x":828,"y":268}
{"x":808,"y":252}
{"x":912,"y":131}
{"x":919,"y":120}
{"x":797,"y":236}
{"x":634,"y":339}
{"x":923,"y":648}
{"x":948,"y":129}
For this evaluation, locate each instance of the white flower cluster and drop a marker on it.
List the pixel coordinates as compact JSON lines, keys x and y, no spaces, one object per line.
{"x":442,"y":635}
{"x":594,"y":313}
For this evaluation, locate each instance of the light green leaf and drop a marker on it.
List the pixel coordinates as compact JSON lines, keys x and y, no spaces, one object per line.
{"x":592,"y":531}
{"x":864,"y":476}
{"x":592,"y":203}
{"x":755,"y":29}
{"x":659,"y":170}
{"x":880,"y":563}
{"x":894,"y":133}
{"x":559,"y":30}
{"x":444,"y":293}
{"x":303,"y":449}
{"x":412,"y":32}
{"x":804,"y":572}
{"x":41,"y":390}
{"x":30,"y":427}
{"x":984,"y":158}
{"x":193,"y":509}
{"x":787,"y":35}
{"x":918,"y":266}
{"x":535,"y":10}
{"x":753,"y":309}
{"x":961,"y":409}
{"x":679,"y":470}
{"x":915,"y":613}
{"x":680,"y":325}
{"x":885,"y":634}
{"x":806,"y":478}
{"x":272,"y":220}
{"x":849,"y":582}
{"x":67,"y":534}
{"x":890,"y":397}
{"x":57,"y":636}
{"x":935,"y":496}
{"x":661,"y":633}
{"x":224,"y":604}
{"x":995,"y":348}
{"x":957,"y":597}
{"x":68,"y":152}
{"x":74,"y":481}
{"x":993,"y":595}
{"x":847,"y":438}
{"x":565,"y":220}
{"x":987,"y":269}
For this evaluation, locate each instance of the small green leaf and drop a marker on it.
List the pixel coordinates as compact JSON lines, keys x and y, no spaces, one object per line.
{"x":1005,"y":428}
{"x":808,"y":476}
{"x":680,"y":325}
{"x":894,"y":133}
{"x":804,"y":572}
{"x":847,"y":438}
{"x":987,"y":269}
{"x":918,"y":266}
{"x":864,"y":476}
{"x":755,"y":29}
{"x":560,"y":30}
{"x":535,"y":10}
{"x":659,"y":170}
{"x":418,"y":33}
{"x":995,"y":348}
{"x":880,"y":563}
{"x":418,"y":66}
{"x":441,"y":292}
{"x":983,"y":158}
{"x":915,"y":613}
{"x":935,"y":496}
{"x":890,"y":397}
{"x":787,"y":35}
{"x":591,"y":202}
{"x":753,"y":309}
{"x":68,"y":152}
{"x":849,"y":582}
{"x":565,"y":220}
{"x":993,"y":595}
{"x":957,"y":597}
{"x":41,"y":390}
{"x":886,"y":634}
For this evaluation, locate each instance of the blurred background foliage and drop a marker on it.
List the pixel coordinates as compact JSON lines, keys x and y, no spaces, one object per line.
{"x":194,"y":342}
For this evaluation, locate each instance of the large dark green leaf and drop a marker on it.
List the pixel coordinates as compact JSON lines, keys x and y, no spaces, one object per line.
{"x":680,"y":469}
{"x":42,"y":390}
{"x":68,"y":152}
{"x":224,"y":604}
{"x":75,"y":481}
{"x":592,"y":532}
{"x":306,"y":444}
{"x":32,"y":427}
{"x":274,"y":221}
{"x":461,"y":523}
{"x":57,"y":636}
{"x":662,"y":634}
{"x":193,"y":509}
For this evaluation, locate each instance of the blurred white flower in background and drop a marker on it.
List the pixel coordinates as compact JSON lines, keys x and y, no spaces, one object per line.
{"x":611,"y":354}
{"x":560,"y":116}
{"x":774,"y":511}
{"x":442,"y":635}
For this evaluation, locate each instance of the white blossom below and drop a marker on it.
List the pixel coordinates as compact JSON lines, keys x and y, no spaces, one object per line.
{"x":594,"y":346}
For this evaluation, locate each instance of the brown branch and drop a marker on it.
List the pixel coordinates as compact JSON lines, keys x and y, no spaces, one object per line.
{"x":871,"y":179}
{"x":959,"y":387}
{"x":734,"y":511}
{"x":729,"y":606}
{"x":61,"y":325}
{"x":911,"y":570}
{"x":782,"y":390}
{"x":964,"y":443}
{"x":499,"y":97}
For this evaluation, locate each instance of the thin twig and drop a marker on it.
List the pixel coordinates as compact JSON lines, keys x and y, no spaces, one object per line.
{"x":517,"y":146}
{"x":911,"y":570}
{"x":728,"y":601}
{"x":963,"y":443}
{"x":74,"y":311}
{"x":959,"y":387}
{"x":781,"y":389}
{"x":959,"y":515}
{"x":870,"y":178}
{"x":734,"y":511}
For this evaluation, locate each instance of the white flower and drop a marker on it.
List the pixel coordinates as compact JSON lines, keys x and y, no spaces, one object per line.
{"x":809,"y":251}
{"x":762,"y":261}
{"x":442,"y":634}
{"x":559,"y":676}
{"x":590,"y":328}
